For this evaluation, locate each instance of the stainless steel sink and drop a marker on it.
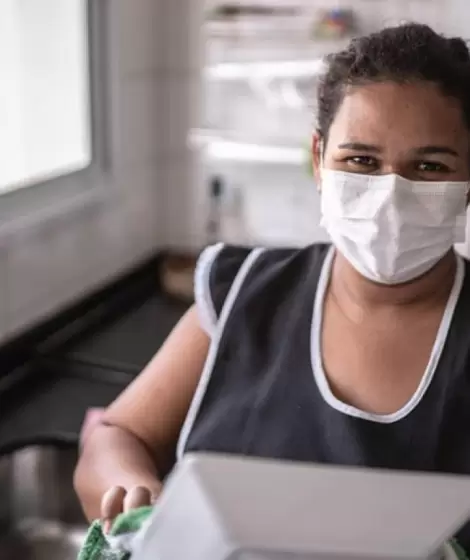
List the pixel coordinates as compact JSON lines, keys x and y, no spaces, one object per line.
{"x":40,"y":517}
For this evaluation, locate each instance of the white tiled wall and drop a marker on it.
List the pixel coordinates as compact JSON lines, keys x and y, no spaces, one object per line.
{"x":156,"y":56}
{"x":182,"y":109}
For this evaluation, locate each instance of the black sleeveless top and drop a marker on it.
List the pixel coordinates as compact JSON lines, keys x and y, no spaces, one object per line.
{"x":263,"y":391}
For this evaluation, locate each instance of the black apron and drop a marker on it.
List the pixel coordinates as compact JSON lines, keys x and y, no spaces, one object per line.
{"x":260,"y":397}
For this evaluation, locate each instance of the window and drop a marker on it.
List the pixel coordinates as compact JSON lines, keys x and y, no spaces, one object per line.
{"x":45,"y":112}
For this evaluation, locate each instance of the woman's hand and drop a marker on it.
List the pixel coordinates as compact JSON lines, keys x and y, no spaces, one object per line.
{"x":119,"y":500}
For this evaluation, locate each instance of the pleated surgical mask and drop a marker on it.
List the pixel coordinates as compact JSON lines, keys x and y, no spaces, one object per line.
{"x":390,"y":229}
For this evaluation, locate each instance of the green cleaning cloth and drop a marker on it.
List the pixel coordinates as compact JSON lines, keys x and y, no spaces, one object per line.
{"x":458,"y":551}
{"x":98,"y":546}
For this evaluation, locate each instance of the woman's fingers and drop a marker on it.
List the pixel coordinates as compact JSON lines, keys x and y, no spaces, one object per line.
{"x":117,"y":500}
{"x":137,"y":497}
{"x":112,"y":505}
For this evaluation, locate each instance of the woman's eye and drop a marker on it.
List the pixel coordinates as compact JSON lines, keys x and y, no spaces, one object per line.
{"x":362,"y":161}
{"x":432,"y":167}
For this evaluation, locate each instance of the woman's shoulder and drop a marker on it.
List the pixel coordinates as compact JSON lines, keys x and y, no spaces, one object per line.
{"x":231,"y":257}
{"x":221,"y":266}
{"x":222,"y":263}
{"x":310,"y":255}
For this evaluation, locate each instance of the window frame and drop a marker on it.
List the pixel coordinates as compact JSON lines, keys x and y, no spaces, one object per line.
{"x":40,"y":200}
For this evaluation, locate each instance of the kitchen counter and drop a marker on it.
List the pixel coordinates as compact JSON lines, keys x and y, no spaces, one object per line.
{"x":127,"y":343}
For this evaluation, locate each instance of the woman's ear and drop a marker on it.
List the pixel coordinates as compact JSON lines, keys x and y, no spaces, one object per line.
{"x":317,"y":154}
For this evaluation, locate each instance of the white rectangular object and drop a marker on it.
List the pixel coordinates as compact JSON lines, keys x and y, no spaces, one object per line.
{"x":226,"y":508}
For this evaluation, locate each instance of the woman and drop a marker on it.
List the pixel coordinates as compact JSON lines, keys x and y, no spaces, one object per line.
{"x":355,"y":354}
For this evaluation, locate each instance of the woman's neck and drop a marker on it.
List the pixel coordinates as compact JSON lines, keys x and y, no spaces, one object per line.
{"x":350,"y":287}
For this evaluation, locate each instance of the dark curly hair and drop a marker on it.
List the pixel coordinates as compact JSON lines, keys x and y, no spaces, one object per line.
{"x":403,"y":54}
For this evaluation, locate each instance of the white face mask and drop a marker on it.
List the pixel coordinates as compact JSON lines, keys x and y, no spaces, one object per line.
{"x":390,"y":229}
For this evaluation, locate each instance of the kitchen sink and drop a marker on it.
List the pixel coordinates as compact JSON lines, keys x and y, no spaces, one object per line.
{"x":40,"y":517}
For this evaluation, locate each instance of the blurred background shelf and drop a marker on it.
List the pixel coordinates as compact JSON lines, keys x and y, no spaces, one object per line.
{"x":218,"y":145}
{"x":242,"y":51}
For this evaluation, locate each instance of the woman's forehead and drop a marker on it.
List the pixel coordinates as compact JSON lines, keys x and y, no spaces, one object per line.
{"x":406,"y":115}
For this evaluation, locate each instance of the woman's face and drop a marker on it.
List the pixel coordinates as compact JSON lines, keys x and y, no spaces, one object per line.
{"x":408,"y":129}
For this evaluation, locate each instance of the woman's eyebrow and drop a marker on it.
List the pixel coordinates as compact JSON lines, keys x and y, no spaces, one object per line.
{"x":360,"y":147}
{"x":423,"y":150}
{"x":429,"y":150}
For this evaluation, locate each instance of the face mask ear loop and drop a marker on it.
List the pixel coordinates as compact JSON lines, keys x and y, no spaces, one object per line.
{"x":461,"y":228}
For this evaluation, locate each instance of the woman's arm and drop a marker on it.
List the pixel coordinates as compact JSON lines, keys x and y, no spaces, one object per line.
{"x":136,"y":439}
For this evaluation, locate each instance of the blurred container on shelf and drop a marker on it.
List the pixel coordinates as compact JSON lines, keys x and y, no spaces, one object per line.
{"x":234,"y":10}
{"x":336,"y":23}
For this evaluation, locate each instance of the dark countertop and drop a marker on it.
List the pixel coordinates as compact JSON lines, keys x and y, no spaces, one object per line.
{"x":84,"y":359}
{"x":130,"y":341}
